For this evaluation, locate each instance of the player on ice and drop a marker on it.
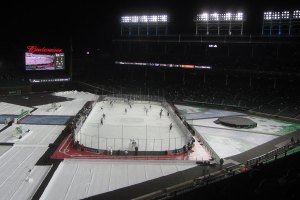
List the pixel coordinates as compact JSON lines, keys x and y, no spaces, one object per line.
{"x":171,"y":125}
{"x":125,"y":110}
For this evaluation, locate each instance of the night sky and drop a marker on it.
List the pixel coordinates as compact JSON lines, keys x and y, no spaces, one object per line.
{"x":94,"y":25}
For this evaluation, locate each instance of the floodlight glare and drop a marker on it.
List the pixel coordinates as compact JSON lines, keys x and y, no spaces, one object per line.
{"x":284,"y":15}
{"x":134,"y":19}
{"x":214,"y":17}
{"x":220,"y":16}
{"x":145,"y":19}
{"x":202,"y":17}
{"x":296,"y":14}
{"x":228,"y":16}
{"x":238,"y":16}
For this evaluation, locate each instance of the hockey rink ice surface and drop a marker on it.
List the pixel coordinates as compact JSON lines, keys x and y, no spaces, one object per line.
{"x":149,"y":130}
{"x":227,"y":141}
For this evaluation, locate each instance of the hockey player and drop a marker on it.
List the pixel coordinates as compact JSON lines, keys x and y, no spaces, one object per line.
{"x":171,"y":125}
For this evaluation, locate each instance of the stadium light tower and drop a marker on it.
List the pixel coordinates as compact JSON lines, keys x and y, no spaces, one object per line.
{"x":281,"y":23}
{"x":219,"y":23}
{"x":144,"y":25}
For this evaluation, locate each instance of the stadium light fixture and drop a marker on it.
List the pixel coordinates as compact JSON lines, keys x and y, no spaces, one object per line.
{"x":145,"y":19}
{"x":296,"y":14}
{"x":239,"y":16}
{"x":202,"y":17}
{"x":214,"y":17}
{"x":284,"y":15}
{"x":227,"y":16}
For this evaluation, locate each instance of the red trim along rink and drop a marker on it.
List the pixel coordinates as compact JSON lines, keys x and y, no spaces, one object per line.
{"x":66,"y":150}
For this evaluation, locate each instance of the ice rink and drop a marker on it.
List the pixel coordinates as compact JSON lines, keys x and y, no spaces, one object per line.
{"x":149,"y":130}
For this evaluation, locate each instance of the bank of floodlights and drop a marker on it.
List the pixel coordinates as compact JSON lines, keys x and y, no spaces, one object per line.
{"x":282,"y":15}
{"x":144,"y":25}
{"x":239,"y":16}
{"x":281,"y":22}
{"x":276,"y":15}
{"x":145,"y":19}
{"x":214,"y":23}
{"x":296,"y":14}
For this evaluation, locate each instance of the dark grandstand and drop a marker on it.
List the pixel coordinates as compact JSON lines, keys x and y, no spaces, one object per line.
{"x":254,"y":73}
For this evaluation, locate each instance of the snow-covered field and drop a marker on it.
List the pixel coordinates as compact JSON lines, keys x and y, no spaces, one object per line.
{"x":78,"y":179}
{"x":227,"y":143}
{"x":19,"y":178}
{"x":149,"y":130}
{"x":4,"y":149}
{"x":74,"y":94}
{"x":2,"y":126}
{"x":267,"y":126}
{"x":190,"y":112}
{"x":38,"y":134}
{"x":12,"y":109}
{"x":71,"y":107}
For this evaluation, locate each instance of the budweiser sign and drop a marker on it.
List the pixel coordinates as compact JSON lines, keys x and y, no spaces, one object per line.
{"x":35,"y":49}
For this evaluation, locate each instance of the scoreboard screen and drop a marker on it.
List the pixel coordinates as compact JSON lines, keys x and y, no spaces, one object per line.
{"x":44,"y":59}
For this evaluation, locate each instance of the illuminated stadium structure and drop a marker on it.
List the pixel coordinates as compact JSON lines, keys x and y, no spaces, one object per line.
{"x":164,"y":111}
{"x":281,"y":23}
{"x":144,"y":25}
{"x":219,"y":23}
